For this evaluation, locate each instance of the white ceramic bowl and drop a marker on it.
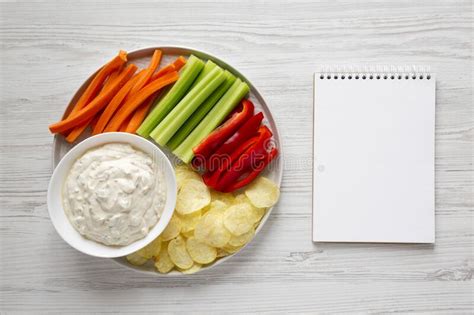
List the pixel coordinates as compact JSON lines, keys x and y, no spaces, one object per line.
{"x":60,"y":220}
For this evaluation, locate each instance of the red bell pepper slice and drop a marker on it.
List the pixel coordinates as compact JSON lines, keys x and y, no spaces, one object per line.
{"x":211,"y":178}
{"x":216,"y":138}
{"x":247,"y":161}
{"x":245,"y":132}
{"x":254,"y":173}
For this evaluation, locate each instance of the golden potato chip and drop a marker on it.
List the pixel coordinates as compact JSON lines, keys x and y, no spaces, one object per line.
{"x":151,"y":250}
{"x":226,"y":198}
{"x":163,"y":262}
{"x":239,"y":219}
{"x":205,"y":209}
{"x":218,"y":205}
{"x":242,"y":198}
{"x":200,"y":252}
{"x":210,"y":229}
{"x":193,"y":196}
{"x":195,"y":268}
{"x":231,"y":249}
{"x":222,"y":253}
{"x":184,"y":172}
{"x":241,"y":240}
{"x":188,"y":234}
{"x":189,"y":221}
{"x":178,"y":253}
{"x":136,"y":259}
{"x":262,"y":192}
{"x":172,"y":229}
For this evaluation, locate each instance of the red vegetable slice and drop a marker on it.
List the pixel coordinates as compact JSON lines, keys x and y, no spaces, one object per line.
{"x":216,"y":138}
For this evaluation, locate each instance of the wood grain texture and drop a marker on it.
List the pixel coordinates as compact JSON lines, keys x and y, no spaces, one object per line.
{"x":48,"y":48}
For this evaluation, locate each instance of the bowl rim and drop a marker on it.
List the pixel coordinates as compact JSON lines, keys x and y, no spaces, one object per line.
{"x":58,"y":216}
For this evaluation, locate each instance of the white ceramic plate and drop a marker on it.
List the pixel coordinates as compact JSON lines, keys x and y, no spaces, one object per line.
{"x":64,"y":226}
{"x":141,"y":58}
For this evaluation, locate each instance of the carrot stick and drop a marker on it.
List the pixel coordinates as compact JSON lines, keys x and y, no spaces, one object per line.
{"x":112,"y":77}
{"x":174,"y":66}
{"x":96,"y":105}
{"x":140,"y":115}
{"x":77,"y":131}
{"x":95,"y":120}
{"x":115,"y":104}
{"x":139,"y":98}
{"x":154,"y":63}
{"x":123,"y":127}
{"x":94,"y":87}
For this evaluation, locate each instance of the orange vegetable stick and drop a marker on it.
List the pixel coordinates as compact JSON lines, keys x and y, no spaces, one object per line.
{"x":94,"y":87}
{"x":130,"y":106}
{"x":154,"y":63}
{"x":174,"y":66}
{"x":123,"y":127}
{"x":112,"y":77}
{"x":77,"y":131}
{"x":140,"y":115}
{"x":95,"y":120}
{"x":115,"y":104}
{"x":96,"y":105}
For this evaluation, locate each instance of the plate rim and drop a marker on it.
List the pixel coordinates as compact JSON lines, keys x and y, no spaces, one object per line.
{"x":186,"y":51}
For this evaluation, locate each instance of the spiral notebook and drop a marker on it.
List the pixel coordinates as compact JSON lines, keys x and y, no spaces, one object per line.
{"x":373,"y":174}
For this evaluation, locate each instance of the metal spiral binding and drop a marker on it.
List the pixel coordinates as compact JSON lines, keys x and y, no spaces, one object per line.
{"x":377,"y":72}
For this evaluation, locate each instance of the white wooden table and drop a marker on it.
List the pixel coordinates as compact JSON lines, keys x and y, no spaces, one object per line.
{"x":48,"y":49}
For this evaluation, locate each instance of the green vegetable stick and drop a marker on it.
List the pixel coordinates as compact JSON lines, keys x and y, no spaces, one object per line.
{"x":208,"y":67}
{"x":187,"y":76}
{"x":178,"y":115}
{"x":213,"y":119}
{"x":199,"y":114}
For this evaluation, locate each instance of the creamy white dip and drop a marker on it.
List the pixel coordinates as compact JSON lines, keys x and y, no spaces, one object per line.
{"x":114,"y":194}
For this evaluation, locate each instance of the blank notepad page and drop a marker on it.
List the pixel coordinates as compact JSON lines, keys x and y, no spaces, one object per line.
{"x":373,"y":175}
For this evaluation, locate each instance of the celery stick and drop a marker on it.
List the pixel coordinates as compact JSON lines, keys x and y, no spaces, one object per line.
{"x":199,"y":114}
{"x":208,"y":67}
{"x":187,"y":76}
{"x":213,"y":119}
{"x":178,"y":115}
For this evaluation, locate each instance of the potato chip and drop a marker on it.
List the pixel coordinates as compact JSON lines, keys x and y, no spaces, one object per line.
{"x":222,"y":253}
{"x":172,"y":229}
{"x":184,"y":172}
{"x":195,"y":268}
{"x":242,"y":198}
{"x":239,"y":219}
{"x":178,"y":253}
{"x":241,"y":240}
{"x":189,"y":221}
{"x":262,"y":192}
{"x":210,"y":229}
{"x":200,"y":252}
{"x":231,"y":249}
{"x":136,"y":259}
{"x":205,"y":209}
{"x":259,"y":212}
{"x":218,"y":205}
{"x":151,"y":250}
{"x":163,"y":262}
{"x":226,"y":198}
{"x":188,"y":234}
{"x":193,"y":196}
